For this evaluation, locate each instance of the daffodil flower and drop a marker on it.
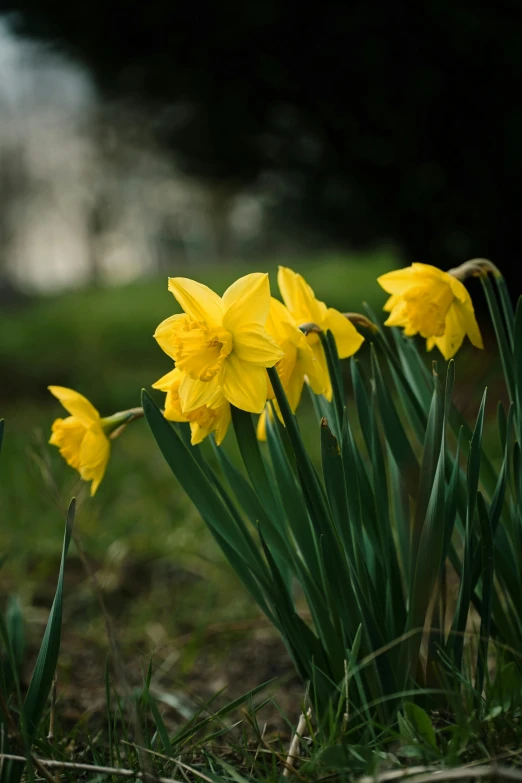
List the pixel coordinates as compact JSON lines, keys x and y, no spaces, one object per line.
{"x":220,"y":343}
{"x":426,"y":301}
{"x":81,"y":438}
{"x":203,"y":420}
{"x":297,"y":363}
{"x":305,"y":308}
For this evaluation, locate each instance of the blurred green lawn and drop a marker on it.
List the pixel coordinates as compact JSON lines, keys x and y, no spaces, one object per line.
{"x":100,"y":343}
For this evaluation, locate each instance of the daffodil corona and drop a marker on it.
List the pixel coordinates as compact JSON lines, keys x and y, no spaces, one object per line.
{"x":305,"y":308}
{"x":203,"y":420}
{"x":81,"y":437}
{"x":426,"y":301}
{"x":220,"y":344}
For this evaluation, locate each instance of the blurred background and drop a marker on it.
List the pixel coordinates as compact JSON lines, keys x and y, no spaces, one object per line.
{"x":144,"y":140}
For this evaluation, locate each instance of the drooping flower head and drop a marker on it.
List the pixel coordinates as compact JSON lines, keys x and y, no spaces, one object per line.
{"x":203,"y":420}
{"x":305,"y":308}
{"x":426,"y":301}
{"x":220,"y":343}
{"x":298,"y":361}
{"x":80,"y":437}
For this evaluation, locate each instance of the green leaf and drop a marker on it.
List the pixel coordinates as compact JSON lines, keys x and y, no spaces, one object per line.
{"x":334,"y":371}
{"x":395,"y":435}
{"x":507,"y":305}
{"x":14,"y":621}
{"x":503,"y":341}
{"x":421,"y":723}
{"x":488,"y":570}
{"x":253,"y":460}
{"x":45,"y":667}
{"x":300,"y":523}
{"x":313,"y":492}
{"x":517,"y":368}
{"x":200,"y":489}
{"x":362,"y":401}
{"x":333,"y":474}
{"x":456,"y":638}
{"x":193,"y":727}
{"x":502,"y":424}
{"x":430,"y":459}
{"x":249,"y":502}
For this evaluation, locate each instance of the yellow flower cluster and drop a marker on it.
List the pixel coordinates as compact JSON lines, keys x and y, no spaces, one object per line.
{"x":222,"y":347}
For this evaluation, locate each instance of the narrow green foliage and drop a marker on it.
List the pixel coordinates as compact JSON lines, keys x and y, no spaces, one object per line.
{"x":366,"y":541}
{"x":43,"y":674}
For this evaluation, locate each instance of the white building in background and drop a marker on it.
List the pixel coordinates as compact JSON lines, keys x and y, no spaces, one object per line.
{"x":83,"y":192}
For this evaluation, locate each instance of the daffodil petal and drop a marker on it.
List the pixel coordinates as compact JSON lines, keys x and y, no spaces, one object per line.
{"x":454,"y":333}
{"x":322,"y":375}
{"x":166,"y":381}
{"x":299,"y":297}
{"x":426,"y":271}
{"x":308,"y":365}
{"x":67,"y":434}
{"x":391,"y":302}
{"x":247,"y":301}
{"x":195,"y":393}
{"x":347,"y":338}
{"x":398,"y":281}
{"x":94,"y":456}
{"x":173,"y":407}
{"x":261,"y":425}
{"x":253,"y":344}
{"x":294,"y":388}
{"x":223,"y":424}
{"x":469,"y":323}
{"x":197,"y":300}
{"x":197,"y":433}
{"x":398,"y":315}
{"x":76,"y":404}
{"x":244,"y":385}
{"x":278,"y":314}
{"x":459,"y":290}
{"x":164,"y":332}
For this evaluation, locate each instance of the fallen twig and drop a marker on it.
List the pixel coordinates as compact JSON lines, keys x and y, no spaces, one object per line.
{"x":293,"y":751}
{"x":123,"y":773}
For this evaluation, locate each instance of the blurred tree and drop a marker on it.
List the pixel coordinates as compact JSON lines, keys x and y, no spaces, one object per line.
{"x":375,"y":119}
{"x":14,"y":186}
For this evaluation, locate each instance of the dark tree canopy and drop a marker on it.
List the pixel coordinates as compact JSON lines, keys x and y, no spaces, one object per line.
{"x":385,"y":119}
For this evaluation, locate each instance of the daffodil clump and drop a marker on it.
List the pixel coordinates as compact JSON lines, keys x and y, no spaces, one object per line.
{"x":363,"y":536}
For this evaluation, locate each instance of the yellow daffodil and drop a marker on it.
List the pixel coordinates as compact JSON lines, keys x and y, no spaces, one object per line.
{"x":203,"y":420}
{"x":426,"y":301}
{"x":305,"y":308}
{"x":81,"y":437}
{"x":220,"y":343}
{"x":298,"y":361}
